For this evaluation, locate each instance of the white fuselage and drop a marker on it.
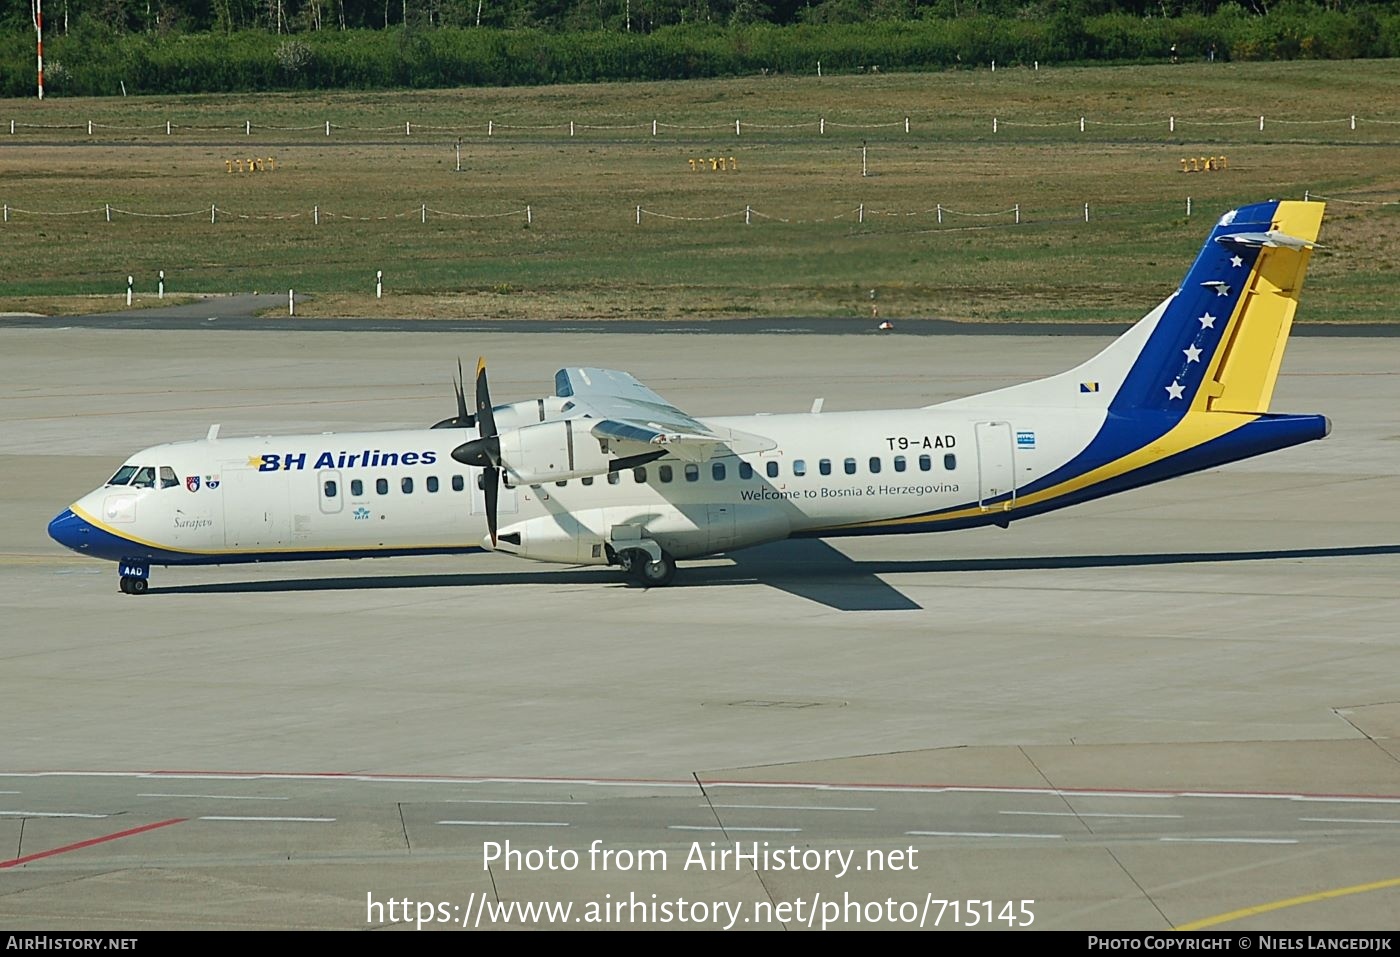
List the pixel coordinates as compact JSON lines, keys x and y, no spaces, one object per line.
{"x":401,"y":492}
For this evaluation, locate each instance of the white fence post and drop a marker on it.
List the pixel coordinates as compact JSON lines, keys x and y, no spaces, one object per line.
{"x":571,"y":127}
{"x":1171,"y":124}
{"x":1081,"y":124}
{"x":529,"y":216}
{"x":490,"y":127}
{"x":291,"y":304}
{"x":7,"y":212}
{"x":1353,"y":123}
{"x":653,"y":127}
{"x":1086,"y":212}
{"x":328,"y":127}
{"x":821,"y":127}
{"x":213,"y":211}
{"x":1188,"y":206}
{"x":1017,"y":209}
{"x":424,"y":211}
{"x":247,"y":127}
{"x":938,"y":211}
{"x":994,"y":124}
{"x":167,"y":127}
{"x":860,"y":213}
{"x":128,"y":290}
{"x":459,"y":156}
{"x":906,"y":124}
{"x":639,"y":215}
{"x":748,"y":215}
{"x":863,"y":167}
{"x":89,"y":127}
{"x":1261,"y":122}
{"x":160,"y":286}
{"x":379,"y":284}
{"x":109,"y":212}
{"x":736,"y":127}
{"x":315,"y":215}
{"x":407,"y":128}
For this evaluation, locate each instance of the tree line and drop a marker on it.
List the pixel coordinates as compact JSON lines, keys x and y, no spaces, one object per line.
{"x":100,"y":47}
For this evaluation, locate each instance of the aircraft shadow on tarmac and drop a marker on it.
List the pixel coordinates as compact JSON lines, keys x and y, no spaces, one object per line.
{"x":809,"y":569}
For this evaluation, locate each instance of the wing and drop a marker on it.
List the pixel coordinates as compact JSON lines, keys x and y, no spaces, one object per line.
{"x":631,"y":419}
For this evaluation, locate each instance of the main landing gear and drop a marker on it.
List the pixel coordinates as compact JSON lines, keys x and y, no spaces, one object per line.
{"x":646,"y":571}
{"x":135,"y":577}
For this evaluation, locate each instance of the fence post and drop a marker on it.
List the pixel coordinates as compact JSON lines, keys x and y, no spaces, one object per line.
{"x":748,"y":215}
{"x":653,"y":127}
{"x":459,"y":156}
{"x":379,"y":284}
{"x":639,"y":215}
{"x":994,"y":124}
{"x":89,"y":127}
{"x":906,"y":124}
{"x":328,"y":127}
{"x":247,"y":127}
{"x":736,"y":127}
{"x":424,"y":212}
{"x":160,"y":286}
{"x":167,"y":127}
{"x":490,"y":127}
{"x":315,"y":215}
{"x":109,"y":212}
{"x":571,"y":127}
{"x":860,"y":213}
{"x":1017,"y":209}
{"x":212,"y":211}
{"x":1171,"y":124}
{"x":938,"y":210}
{"x":407,"y":128}
{"x":529,"y":216}
{"x":994,"y":66}
{"x":1188,"y":207}
{"x":1261,"y":122}
{"x":1086,"y":212}
{"x":12,"y":127}
{"x":7,"y":212}
{"x":1081,"y":124}
{"x":1306,"y":194}
{"x":128,"y":290}
{"x":1353,"y":123}
{"x":291,"y":304}
{"x":821,"y":127}
{"x":863,"y":166}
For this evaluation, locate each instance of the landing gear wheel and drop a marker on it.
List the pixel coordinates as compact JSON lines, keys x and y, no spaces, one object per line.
{"x":132,"y":586}
{"x":654,"y":574}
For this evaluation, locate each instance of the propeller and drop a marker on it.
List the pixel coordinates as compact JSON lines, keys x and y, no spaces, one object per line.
{"x":463,"y":419}
{"x":483,"y":452}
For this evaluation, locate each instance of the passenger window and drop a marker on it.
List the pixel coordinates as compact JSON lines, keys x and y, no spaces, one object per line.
{"x":717,"y":470}
{"x":432,"y":483}
{"x":167,"y":477}
{"x":850,"y":466}
{"x":381,"y":486}
{"x":772,"y":469}
{"x":587,"y":480}
{"x":692,"y":472}
{"x":331,"y":488}
{"x":663,"y":472}
{"x":406,"y":484}
{"x":357,"y":488}
{"x":799,"y":467}
{"x":899,"y":464}
{"x":925,"y":463}
{"x":745,"y":471}
{"x":639,"y":476}
{"x":458,"y":483}
{"x":145,"y":478}
{"x":824,"y":466}
{"x":950,"y":461}
{"x":614,"y":478}
{"x":874,"y":465}
{"x":563,"y":483}
{"x":123,"y":475}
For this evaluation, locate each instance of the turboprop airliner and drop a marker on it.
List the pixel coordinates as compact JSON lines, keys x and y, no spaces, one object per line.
{"x":607,"y":472}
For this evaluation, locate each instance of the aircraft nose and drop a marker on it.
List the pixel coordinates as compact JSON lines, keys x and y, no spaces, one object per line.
{"x":70,"y":531}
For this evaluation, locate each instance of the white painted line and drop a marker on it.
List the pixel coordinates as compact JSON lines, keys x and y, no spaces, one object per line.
{"x":49,"y":814}
{"x":1346,"y":820}
{"x":731,"y":830}
{"x":509,"y":823}
{"x":1227,"y":840}
{"x":1048,"y":837}
{"x":783,"y":807}
{"x":1074,"y":814}
{"x":291,"y":820}
{"x":216,"y":797}
{"x":10,"y":792}
{"x":540,"y":803}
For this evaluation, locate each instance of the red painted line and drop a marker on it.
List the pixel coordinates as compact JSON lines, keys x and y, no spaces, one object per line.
{"x":89,"y":843}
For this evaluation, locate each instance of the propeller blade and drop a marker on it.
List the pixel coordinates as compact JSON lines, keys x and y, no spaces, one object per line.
{"x":483,"y":453}
{"x":492,"y":483}
{"x":484,"y":418}
{"x":459,"y":386}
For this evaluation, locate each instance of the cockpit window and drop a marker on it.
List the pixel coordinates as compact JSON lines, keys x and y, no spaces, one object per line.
{"x":145,"y":477}
{"x":167,"y":477}
{"x":123,"y":475}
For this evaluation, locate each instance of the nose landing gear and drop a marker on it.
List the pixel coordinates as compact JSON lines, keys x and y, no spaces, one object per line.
{"x":135,"y":577}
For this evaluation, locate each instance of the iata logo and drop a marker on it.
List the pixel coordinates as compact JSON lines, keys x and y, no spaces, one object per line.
{"x":192,"y":482}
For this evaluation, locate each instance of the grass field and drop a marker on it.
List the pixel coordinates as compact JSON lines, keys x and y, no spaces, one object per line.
{"x":805,"y":252}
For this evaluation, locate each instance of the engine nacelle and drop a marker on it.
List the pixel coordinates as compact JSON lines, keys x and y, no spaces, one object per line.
{"x":518,"y":415}
{"x":552,"y":452}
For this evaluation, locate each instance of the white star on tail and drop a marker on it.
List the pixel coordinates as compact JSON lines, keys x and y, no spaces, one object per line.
{"x":1222,"y":290}
{"x":1193,"y":354}
{"x":1175,"y":390}
{"x":1236,"y":261}
{"x":1207,"y":321}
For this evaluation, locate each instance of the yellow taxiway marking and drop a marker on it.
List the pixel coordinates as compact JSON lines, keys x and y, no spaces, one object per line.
{"x":1289,"y":902}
